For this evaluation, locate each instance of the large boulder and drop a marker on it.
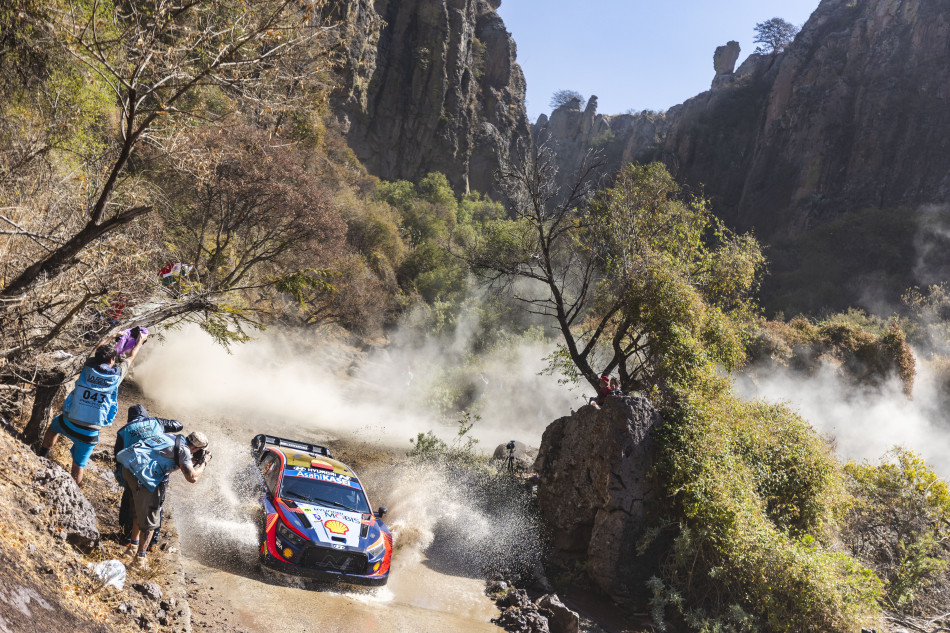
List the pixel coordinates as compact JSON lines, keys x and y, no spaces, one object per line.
{"x":522,"y":454}
{"x":74,"y":517}
{"x":561,"y":618}
{"x":725,"y":58}
{"x":593,"y":487}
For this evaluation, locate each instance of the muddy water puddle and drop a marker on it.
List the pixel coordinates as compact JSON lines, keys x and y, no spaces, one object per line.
{"x":415,"y":601}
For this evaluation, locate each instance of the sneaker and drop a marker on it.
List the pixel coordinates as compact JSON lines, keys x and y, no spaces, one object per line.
{"x":140,"y":563}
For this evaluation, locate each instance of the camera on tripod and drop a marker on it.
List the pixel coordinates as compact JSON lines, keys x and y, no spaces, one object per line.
{"x":511,"y":456}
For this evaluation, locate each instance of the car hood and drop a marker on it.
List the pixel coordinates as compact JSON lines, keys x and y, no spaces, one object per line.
{"x":330,"y":526}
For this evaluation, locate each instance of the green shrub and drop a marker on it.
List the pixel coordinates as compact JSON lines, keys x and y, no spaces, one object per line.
{"x":461,"y":452}
{"x":869,"y":349}
{"x":756,"y":493}
{"x":900,"y":525}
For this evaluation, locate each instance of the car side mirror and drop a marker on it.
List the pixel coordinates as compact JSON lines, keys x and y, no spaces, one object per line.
{"x":381,"y":511}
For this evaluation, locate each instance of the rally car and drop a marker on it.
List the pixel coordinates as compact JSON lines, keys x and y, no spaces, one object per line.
{"x":317,"y":521}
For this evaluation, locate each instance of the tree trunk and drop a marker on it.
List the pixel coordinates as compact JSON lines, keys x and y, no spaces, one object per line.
{"x":63,"y":256}
{"x":48,"y":386}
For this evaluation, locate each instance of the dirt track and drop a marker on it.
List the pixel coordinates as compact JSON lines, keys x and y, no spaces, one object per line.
{"x":228,"y":590}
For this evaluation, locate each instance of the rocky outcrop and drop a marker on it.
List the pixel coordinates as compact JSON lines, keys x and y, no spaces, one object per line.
{"x":593,"y":488}
{"x":847,"y":125}
{"x":725,"y":58}
{"x":706,"y":140}
{"x":75,"y":518}
{"x":545,"y":615}
{"x":430,"y":85}
{"x":856,"y":116}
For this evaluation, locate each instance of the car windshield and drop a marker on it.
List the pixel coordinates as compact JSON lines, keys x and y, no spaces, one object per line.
{"x":324,"y":493}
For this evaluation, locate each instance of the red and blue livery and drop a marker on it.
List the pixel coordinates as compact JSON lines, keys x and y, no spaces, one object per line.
{"x":317,"y":520}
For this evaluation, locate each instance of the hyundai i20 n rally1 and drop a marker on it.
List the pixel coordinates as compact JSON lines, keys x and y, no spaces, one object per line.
{"x":317,"y":520}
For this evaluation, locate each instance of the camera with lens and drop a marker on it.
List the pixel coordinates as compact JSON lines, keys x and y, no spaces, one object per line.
{"x":510,"y":446}
{"x":201,"y":456}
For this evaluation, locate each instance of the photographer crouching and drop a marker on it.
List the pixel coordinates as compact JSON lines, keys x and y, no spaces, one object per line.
{"x":147,"y":465}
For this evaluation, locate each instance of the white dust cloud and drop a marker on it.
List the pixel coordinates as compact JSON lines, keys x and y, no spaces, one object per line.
{"x":864,"y":423}
{"x":306,"y":390}
{"x":302,"y":390}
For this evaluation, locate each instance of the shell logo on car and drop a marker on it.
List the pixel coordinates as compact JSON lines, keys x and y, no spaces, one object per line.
{"x":336,"y":527}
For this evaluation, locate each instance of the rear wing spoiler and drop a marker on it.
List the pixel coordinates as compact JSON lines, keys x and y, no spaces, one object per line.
{"x":260,"y":441}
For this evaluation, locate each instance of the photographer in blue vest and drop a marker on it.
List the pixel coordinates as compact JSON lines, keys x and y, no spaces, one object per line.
{"x":139,"y":426}
{"x":146,"y":467}
{"x":91,"y":405}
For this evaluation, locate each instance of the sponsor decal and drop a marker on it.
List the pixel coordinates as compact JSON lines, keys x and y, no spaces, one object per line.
{"x":336,"y":527}
{"x":322,"y":475}
{"x":326,"y":514}
{"x":335,"y":546}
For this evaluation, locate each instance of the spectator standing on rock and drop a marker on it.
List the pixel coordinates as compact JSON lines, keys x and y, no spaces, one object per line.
{"x":139,"y":427}
{"x":602,"y":391}
{"x":146,"y":467}
{"x":91,"y":405}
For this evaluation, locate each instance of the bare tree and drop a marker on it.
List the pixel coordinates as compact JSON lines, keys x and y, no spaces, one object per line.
{"x":536,"y":247}
{"x":142,"y":76}
{"x":253,"y":212}
{"x":155,"y":56}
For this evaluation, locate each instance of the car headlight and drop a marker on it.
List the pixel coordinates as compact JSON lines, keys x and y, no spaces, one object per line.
{"x":376,"y":548}
{"x":289,"y":535}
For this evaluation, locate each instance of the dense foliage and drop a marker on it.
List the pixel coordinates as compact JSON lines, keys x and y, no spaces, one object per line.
{"x":866,"y":349}
{"x":642,"y":280}
{"x":900,"y":523}
{"x":755,"y":495}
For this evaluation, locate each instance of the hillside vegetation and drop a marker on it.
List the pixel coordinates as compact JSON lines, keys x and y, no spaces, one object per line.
{"x":134,"y":136}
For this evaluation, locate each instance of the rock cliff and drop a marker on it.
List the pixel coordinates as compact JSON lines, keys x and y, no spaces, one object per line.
{"x":841,"y":136}
{"x":593,"y":488}
{"x":430,"y":85}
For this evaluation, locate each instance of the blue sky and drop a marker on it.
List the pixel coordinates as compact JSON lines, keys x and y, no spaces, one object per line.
{"x":632,"y":54}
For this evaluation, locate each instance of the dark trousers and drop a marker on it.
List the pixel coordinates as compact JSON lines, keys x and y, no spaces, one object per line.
{"x":127,"y":516}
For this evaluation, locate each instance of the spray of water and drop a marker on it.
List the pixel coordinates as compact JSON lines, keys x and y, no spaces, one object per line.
{"x":373,"y":403}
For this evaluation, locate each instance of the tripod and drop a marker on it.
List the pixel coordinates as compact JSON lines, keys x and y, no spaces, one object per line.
{"x":511,"y":457}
